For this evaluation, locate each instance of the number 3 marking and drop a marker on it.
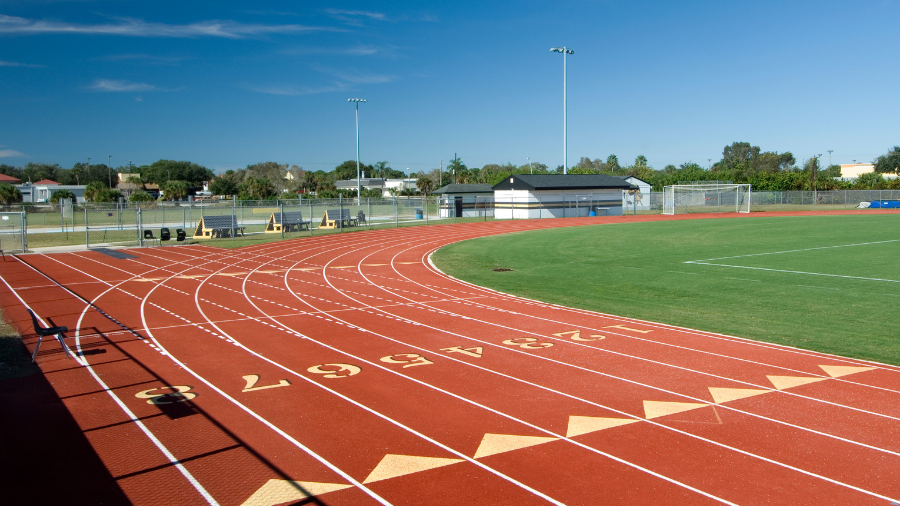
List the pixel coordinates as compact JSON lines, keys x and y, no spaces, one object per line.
{"x":181,"y":393}
{"x":527,"y":343}
{"x":410,"y":359}
{"x":341,"y":371}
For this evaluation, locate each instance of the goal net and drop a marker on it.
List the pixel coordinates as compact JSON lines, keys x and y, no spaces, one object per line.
{"x":706,"y":198}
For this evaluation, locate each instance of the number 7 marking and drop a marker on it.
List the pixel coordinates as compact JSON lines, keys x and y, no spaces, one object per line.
{"x":251,"y":380}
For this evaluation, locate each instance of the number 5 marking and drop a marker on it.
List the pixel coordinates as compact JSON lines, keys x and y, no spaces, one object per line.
{"x":342,"y":371}
{"x":527,"y":343}
{"x":251,"y":380}
{"x":181,"y":393}
{"x":576,"y":336}
{"x":410,"y":359}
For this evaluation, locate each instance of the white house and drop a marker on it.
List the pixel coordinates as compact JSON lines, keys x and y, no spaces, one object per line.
{"x":524,"y":196}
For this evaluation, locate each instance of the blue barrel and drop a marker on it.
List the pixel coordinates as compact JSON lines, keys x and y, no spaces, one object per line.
{"x":592,"y":213}
{"x":418,"y":214}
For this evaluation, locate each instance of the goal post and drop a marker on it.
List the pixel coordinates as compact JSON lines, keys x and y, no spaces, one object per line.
{"x":706,"y":198}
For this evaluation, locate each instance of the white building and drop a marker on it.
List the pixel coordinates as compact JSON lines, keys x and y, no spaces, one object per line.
{"x":465,"y":200}
{"x":637,"y":199}
{"x":524,"y":196}
{"x":852,"y":171}
{"x":41,"y":191}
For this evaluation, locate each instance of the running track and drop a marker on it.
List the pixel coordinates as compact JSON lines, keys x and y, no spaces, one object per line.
{"x":348,"y":368}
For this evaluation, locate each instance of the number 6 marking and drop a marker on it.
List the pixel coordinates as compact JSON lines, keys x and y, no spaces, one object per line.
{"x":527,"y":343}
{"x":181,"y":393}
{"x":576,"y":336}
{"x":410,"y":359}
{"x":342,"y":371}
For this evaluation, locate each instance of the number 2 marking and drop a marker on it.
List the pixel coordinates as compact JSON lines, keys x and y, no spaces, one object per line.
{"x":251,"y":380}
{"x":410,"y":359}
{"x":181,"y":393}
{"x":576,"y":336}
{"x":527,"y":343}
{"x":342,"y":371}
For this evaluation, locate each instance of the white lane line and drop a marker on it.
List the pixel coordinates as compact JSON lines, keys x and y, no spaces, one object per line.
{"x":796,"y":272}
{"x":809,"y":473}
{"x":147,"y":432}
{"x":797,"y":250}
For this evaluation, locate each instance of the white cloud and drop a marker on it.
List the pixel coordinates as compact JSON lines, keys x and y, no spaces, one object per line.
{"x":119,"y":86}
{"x":11,"y":25}
{"x":6,"y":153}
{"x":359,"y":50}
{"x":146,"y":58}
{"x":354,"y":18}
{"x":17,"y":64}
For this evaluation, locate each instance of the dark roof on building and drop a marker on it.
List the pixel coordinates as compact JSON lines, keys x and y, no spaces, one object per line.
{"x":562,"y":182}
{"x":45,"y":182}
{"x":464,"y":188}
{"x":634,"y":177}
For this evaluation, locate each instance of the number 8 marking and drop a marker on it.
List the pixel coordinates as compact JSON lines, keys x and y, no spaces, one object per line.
{"x":527,"y":343}
{"x":342,"y":371}
{"x":182,"y":393}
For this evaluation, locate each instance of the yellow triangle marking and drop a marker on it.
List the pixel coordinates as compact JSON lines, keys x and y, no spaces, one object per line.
{"x":306,"y":268}
{"x":407,"y":263}
{"x":374,"y":265}
{"x":836,"y":371}
{"x":231,"y":273}
{"x":343,"y":266}
{"x":498,"y":443}
{"x":654,"y":409}
{"x":579,"y":425}
{"x":392,"y":466}
{"x":282,"y":491}
{"x":782,"y":382}
{"x":721,"y":395}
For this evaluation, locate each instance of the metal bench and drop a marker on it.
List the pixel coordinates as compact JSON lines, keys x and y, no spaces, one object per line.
{"x":217,"y":226}
{"x":337,"y":218}
{"x":290,"y":221}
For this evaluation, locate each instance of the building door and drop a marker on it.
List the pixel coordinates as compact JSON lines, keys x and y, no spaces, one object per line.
{"x":458,"y":202}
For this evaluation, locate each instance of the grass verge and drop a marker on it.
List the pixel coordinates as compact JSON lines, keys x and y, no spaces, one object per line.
{"x":843,"y":304}
{"x":14,"y":359}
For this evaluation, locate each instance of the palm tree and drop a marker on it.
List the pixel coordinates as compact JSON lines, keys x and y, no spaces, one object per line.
{"x":9,"y":194}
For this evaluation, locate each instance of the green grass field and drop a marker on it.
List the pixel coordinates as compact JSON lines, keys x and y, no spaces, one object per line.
{"x":840,"y":300}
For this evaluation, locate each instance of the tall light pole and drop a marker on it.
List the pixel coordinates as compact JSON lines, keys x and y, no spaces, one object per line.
{"x":358,"y":182}
{"x":529,"y":164}
{"x":564,"y":50}
{"x":829,"y":157}
{"x":109,"y":168}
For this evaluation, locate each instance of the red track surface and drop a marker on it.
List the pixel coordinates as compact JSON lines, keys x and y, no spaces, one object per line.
{"x":443,"y":392}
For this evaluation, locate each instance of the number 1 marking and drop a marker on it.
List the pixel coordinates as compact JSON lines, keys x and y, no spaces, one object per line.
{"x":251,"y":380}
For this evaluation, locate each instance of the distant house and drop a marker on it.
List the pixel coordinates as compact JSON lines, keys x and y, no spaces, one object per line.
{"x":371,"y":183}
{"x":524,"y":196}
{"x":852,"y":171}
{"x":464,"y":200}
{"x":40,"y":192}
{"x":9,"y":179}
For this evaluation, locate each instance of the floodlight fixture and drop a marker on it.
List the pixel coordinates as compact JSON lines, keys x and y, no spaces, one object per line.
{"x":564,"y":50}
{"x":358,"y":181}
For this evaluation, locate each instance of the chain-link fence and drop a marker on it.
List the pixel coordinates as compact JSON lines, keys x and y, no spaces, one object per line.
{"x":13,"y":232}
{"x":124,"y":224}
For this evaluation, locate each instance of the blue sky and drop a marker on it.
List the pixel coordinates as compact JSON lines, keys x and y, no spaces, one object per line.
{"x":226,"y":84}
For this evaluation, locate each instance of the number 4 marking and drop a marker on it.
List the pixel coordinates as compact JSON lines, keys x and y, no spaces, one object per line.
{"x":476,"y":352}
{"x":576,"y":336}
{"x":251,"y":380}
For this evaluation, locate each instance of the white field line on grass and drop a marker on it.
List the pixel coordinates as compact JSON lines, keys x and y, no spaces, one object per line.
{"x":794,"y":272}
{"x":794,"y":251}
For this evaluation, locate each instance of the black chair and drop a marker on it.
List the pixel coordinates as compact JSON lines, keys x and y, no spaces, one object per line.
{"x":49,"y":331}
{"x":179,"y":235}
{"x":361,"y":218}
{"x":164,"y":234}
{"x":148,"y":236}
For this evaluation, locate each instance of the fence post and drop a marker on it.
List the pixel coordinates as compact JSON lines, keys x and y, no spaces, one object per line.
{"x":425,"y":207}
{"x":24,"y":232}
{"x":396,"y":218}
{"x":369,"y":220}
{"x":281,"y":210}
{"x":309,"y":227}
{"x":137,"y":213}
{"x":341,"y":207}
{"x":87,"y":241}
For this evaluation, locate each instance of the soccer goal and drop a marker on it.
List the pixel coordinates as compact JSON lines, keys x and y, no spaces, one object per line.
{"x":706,"y":198}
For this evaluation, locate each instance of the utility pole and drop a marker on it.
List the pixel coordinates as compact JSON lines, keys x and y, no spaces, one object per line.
{"x":829,"y":157}
{"x":441,"y":174}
